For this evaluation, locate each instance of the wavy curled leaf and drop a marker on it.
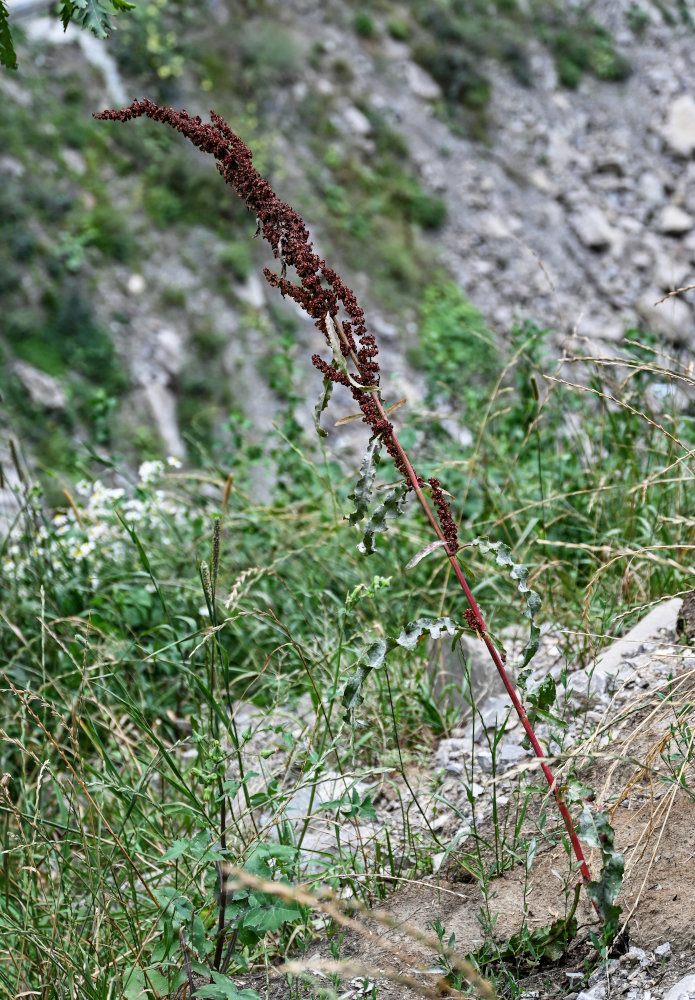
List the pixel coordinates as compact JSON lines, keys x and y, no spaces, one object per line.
{"x":375,"y":654}
{"x":440,"y":543}
{"x":391,"y":507}
{"x":321,"y":404}
{"x":415,"y":632}
{"x":362,"y":495}
{"x":593,"y":828}
{"x":503,"y":557}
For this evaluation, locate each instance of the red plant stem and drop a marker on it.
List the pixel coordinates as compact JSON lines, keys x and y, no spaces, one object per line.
{"x":496,"y":658}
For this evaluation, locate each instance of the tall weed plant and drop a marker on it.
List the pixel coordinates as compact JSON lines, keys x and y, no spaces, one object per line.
{"x":206,"y":694}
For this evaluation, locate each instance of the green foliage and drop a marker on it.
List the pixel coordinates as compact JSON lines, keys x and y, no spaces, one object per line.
{"x":398,"y":29}
{"x":594,"y":828}
{"x":93,"y":15}
{"x":590,"y":48}
{"x":271,"y":56}
{"x":364,"y":487}
{"x":363,"y":23}
{"x":153,"y":44}
{"x":456,"y":347}
{"x":458,"y":38}
{"x":8,"y":56}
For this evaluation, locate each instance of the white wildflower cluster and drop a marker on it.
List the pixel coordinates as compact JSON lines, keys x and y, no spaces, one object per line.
{"x":83,"y":542}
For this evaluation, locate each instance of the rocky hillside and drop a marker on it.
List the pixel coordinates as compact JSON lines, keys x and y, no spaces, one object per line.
{"x":538,"y":156}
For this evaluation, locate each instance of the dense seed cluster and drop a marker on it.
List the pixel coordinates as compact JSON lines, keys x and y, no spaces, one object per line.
{"x":445,"y":519}
{"x":320,"y":291}
{"x":473,"y":621}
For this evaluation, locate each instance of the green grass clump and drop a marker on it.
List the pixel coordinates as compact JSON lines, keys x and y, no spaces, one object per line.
{"x":454,"y":339}
{"x":363,"y":24}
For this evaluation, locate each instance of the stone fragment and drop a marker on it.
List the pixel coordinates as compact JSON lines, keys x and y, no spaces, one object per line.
{"x":135,"y":284}
{"x":650,"y":189}
{"x":592,"y":228}
{"x":421,"y":83}
{"x":353,"y":120}
{"x":679,"y":130}
{"x":673,"y":221}
{"x":44,"y":390}
{"x":162,"y":403}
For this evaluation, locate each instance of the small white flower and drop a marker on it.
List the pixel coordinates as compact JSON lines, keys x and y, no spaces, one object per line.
{"x":83,"y":488}
{"x":173,"y":462}
{"x":149,"y":471}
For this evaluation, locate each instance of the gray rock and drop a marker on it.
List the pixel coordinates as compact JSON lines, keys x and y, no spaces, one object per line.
{"x":592,"y":228}
{"x":162,"y":403}
{"x":44,"y":390}
{"x":252,"y":292}
{"x":673,"y":221}
{"x":679,"y":130}
{"x":673,"y":318}
{"x":670,"y":273}
{"x":354,"y":121}
{"x":683,"y":990}
{"x":663,"y":950}
{"x":421,"y":83}
{"x":597,"y":992}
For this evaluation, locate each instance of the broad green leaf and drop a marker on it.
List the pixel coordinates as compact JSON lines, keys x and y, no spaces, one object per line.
{"x":594,"y":829}
{"x":8,"y":56}
{"x":178,"y":848}
{"x":365,"y":483}
{"x":264,"y":919}
{"x":321,"y":404}
{"x":224,"y":989}
{"x":544,"y":695}
{"x":134,"y":985}
{"x":391,"y":507}
{"x":352,"y":694}
{"x":198,"y":936}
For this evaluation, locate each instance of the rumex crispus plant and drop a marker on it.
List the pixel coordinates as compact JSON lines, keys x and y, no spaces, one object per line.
{"x":321,"y":293}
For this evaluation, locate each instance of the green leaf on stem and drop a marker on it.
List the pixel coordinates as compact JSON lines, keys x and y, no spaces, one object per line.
{"x":375,"y":654}
{"x":503,"y":557}
{"x":321,"y":404}
{"x":8,"y":56}
{"x":362,"y":495}
{"x":594,"y":829}
{"x":391,"y":507}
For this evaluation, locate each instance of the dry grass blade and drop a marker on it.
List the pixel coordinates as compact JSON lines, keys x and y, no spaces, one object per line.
{"x":332,"y":906}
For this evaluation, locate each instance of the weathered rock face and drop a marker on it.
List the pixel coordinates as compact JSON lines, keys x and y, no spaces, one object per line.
{"x":578,"y":214}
